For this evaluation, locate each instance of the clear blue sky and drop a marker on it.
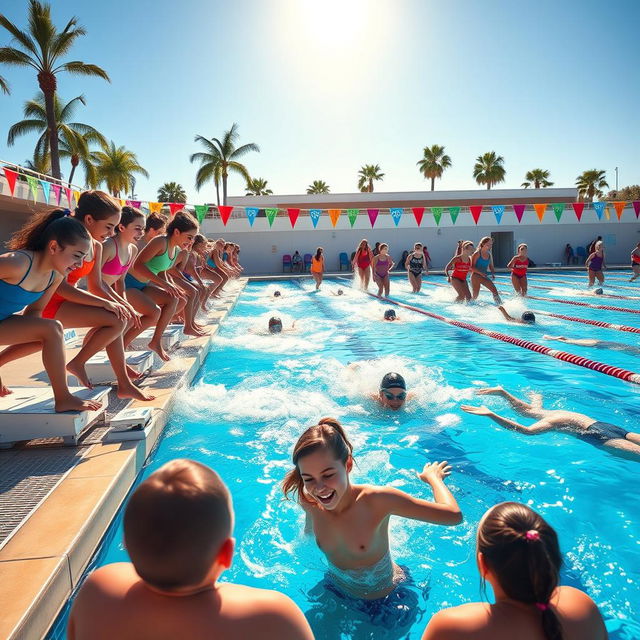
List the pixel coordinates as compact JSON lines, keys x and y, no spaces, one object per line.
{"x":325,"y":86}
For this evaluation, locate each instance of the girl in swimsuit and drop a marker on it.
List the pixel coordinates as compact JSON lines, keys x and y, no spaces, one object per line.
{"x":149,"y":286}
{"x":351,"y":522}
{"x":427,"y":259}
{"x":461,"y":264}
{"x":317,"y":266}
{"x":362,"y":263}
{"x":201,"y":266}
{"x":382,"y":264}
{"x":214,"y":262}
{"x":519,"y":265}
{"x":415,"y":265}
{"x":155,"y":225}
{"x":595,"y":264}
{"x":635,"y":262}
{"x":481,"y":264}
{"x":41,"y":255}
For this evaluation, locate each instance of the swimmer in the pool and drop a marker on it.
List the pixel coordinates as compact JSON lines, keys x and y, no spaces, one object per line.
{"x":276,"y":294}
{"x":393,"y":391}
{"x":616,"y":440}
{"x":527,"y":317}
{"x":351,"y":522}
{"x":339,"y":292}
{"x":601,"y":344}
{"x":390,"y":316}
{"x":273,"y":327}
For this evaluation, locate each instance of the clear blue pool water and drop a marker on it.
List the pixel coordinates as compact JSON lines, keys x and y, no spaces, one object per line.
{"x":256,"y":393}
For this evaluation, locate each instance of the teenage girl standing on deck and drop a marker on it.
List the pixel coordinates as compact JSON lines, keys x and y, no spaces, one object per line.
{"x":317,"y":266}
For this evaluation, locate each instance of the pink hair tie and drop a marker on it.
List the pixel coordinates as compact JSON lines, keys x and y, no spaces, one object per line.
{"x":542,"y":606}
{"x":532,"y":534}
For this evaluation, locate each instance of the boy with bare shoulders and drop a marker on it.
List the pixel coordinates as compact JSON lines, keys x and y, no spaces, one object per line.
{"x":177,"y":530}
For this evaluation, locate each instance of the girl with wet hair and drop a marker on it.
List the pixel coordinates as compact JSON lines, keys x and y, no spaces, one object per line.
{"x":519,"y":555}
{"x":519,"y":265}
{"x":361,"y":263}
{"x":317,"y":267}
{"x":481,"y":264}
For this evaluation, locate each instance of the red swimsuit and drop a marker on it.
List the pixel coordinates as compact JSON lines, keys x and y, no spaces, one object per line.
{"x":461,"y":270}
{"x":520,"y":266}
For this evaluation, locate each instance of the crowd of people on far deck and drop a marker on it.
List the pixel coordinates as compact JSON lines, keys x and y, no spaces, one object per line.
{"x":142,"y":273}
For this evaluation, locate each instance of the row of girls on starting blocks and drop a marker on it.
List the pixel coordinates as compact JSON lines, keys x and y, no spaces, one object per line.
{"x":140,"y":273}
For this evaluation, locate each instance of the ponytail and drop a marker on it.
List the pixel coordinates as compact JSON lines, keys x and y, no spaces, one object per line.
{"x":42,"y":228}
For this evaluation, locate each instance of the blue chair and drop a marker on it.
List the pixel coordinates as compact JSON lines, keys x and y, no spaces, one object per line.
{"x":307,"y":261}
{"x":344,"y":261}
{"x":286,"y":262}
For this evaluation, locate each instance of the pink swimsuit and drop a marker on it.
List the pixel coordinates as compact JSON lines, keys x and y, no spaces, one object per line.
{"x":114,"y":267}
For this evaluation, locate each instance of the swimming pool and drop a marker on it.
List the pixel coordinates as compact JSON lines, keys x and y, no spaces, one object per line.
{"x":256,"y":393}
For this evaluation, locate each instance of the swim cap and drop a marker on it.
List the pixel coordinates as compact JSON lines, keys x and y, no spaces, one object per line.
{"x":598,"y":292}
{"x":391,"y":380}
{"x":275,"y":325}
{"x":389,"y":314}
{"x":528,"y":317}
{"x":276,"y":293}
{"x":340,"y":292}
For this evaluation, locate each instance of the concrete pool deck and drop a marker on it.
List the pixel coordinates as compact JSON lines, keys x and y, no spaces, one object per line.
{"x":57,"y":502}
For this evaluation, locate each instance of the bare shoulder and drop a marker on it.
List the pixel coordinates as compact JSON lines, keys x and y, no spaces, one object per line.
{"x":576,"y":604}
{"x":13,"y":263}
{"x":458,"y":623}
{"x":111,"y":578}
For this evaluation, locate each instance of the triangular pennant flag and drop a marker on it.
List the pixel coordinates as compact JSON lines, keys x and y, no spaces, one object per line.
{"x":418,"y":212}
{"x":33,"y":184}
{"x":373,"y":215}
{"x":67,"y":192}
{"x":315,"y":214}
{"x":175,"y":206}
{"x":437,"y":214}
{"x":57,"y":189}
{"x":599,"y":208}
{"x":12,"y":176}
{"x":558,"y":209}
{"x":293,"y":216}
{"x":518,"y":209}
{"x":619,"y":207}
{"x":271,"y":215}
{"x":578,"y":207}
{"x":540,"y":209}
{"x":155,"y":207}
{"x":123,"y":203}
{"x":76,"y":195}
{"x":225,"y":213}
{"x":607,"y":213}
{"x":476,"y":210}
{"x":498,"y":212}
{"x":334,"y":214}
{"x":636,"y":207}
{"x":46,"y":189}
{"x":128,"y":203}
{"x":252,"y":214}
{"x":136,"y":204}
{"x":201,"y":212}
{"x":454,"y":212}
{"x":396,"y":214}
{"x":353,"y":215}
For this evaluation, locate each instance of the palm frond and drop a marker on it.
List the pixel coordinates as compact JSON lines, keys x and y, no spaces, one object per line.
{"x":21,"y":37}
{"x":82,"y":69}
{"x":244,"y":149}
{"x":4,"y":86}
{"x":23,"y":128}
{"x":9,"y":55}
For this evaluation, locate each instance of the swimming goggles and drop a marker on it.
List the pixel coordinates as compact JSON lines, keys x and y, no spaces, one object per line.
{"x":392,"y":396}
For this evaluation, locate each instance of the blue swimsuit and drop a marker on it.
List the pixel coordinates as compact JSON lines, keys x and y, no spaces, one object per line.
{"x":482,"y":264}
{"x":13,"y":298}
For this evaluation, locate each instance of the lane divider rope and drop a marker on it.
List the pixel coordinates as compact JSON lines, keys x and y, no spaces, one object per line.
{"x":570,"y":282}
{"x":595,"y":323}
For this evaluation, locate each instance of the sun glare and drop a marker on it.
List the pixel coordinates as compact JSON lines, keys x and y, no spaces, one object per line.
{"x":335,"y":21}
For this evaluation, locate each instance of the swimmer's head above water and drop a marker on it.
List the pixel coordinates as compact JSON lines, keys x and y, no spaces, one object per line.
{"x":390,"y":315}
{"x":276,"y":294}
{"x":275,"y":325}
{"x":340,"y":292}
{"x":598,"y":292}
{"x":393,"y":391}
{"x":528,"y":317}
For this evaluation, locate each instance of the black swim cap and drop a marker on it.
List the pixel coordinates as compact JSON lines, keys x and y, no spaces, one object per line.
{"x":276,"y":293}
{"x":598,"y":292}
{"x":389,"y":314}
{"x":340,"y":292}
{"x":275,"y":325}
{"x":392,"y":380}
{"x":528,"y":317}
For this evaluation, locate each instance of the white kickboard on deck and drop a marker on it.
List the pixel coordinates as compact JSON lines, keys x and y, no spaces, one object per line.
{"x":170,"y":339}
{"x":29,"y":412}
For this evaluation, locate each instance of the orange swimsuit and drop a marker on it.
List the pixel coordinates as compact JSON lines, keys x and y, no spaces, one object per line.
{"x":74,"y":276}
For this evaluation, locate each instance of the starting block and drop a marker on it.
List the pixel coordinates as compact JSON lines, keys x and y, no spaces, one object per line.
{"x":130,"y":424}
{"x":100,"y":371}
{"x":171,"y":338}
{"x":29,"y":412}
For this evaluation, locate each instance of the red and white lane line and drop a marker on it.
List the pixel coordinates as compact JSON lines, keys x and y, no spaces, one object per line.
{"x":595,"y":323}
{"x":607,"y":369}
{"x":571,"y":282}
{"x":585,"y":304}
{"x":602,"y":295}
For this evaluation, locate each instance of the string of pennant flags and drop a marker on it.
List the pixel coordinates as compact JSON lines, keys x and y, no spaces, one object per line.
{"x":601,"y":208}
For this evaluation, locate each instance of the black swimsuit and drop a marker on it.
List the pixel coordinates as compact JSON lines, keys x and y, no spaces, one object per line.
{"x":416,"y":265}
{"x":600,"y":433}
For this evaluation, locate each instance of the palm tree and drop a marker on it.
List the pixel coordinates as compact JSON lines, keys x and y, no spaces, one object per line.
{"x":257,"y":187}
{"x":318,"y":186}
{"x":41,"y":48}
{"x":221,"y":157}
{"x":4,"y":86}
{"x":433,"y":163}
{"x":171,"y":192}
{"x":590,"y":184}
{"x":367,"y":175}
{"x":39,"y":164}
{"x":538,"y":177}
{"x":489,"y":169}
{"x":74,"y":138}
{"x":115,"y":166}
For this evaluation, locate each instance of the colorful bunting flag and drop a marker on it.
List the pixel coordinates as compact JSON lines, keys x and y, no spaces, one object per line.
{"x":176,"y":206}
{"x":476,"y":210}
{"x":334,"y":214}
{"x":11,"y":176}
{"x":599,"y":208}
{"x":373,"y":215}
{"x":135,"y":204}
{"x":518,"y":209}
{"x":315,"y":214}
{"x":293,"y":216}
{"x":437,"y":214}
{"x":67,"y":192}
{"x":271,"y":215}
{"x":352,"y":215}
{"x":418,"y":212}
{"x":498,"y":212}
{"x":252,"y":214}
{"x":454,"y":212}
{"x":636,"y":207}
{"x":46,"y":189}
{"x":225,"y":213}
{"x":396,"y":214}
{"x":201,"y":212}
{"x":57,"y":189}
{"x":619,"y":207}
{"x":558,"y":209}
{"x":578,"y":207}
{"x":155,"y":207}
{"x":33,"y":184}
{"x":123,"y":203}
{"x":76,"y":196}
{"x":540,"y":210}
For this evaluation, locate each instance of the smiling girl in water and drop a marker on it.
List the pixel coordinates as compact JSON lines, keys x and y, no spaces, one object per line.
{"x":351,"y":522}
